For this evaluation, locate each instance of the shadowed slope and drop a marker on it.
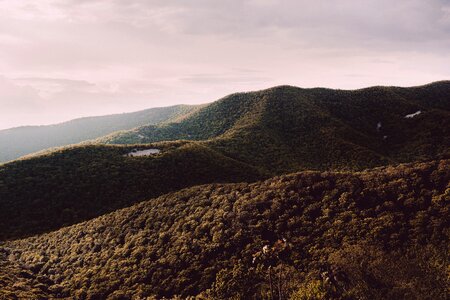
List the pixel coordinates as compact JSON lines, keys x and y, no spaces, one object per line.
{"x":75,"y":184}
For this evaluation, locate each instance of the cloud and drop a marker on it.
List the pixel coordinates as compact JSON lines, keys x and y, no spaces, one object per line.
{"x":224,"y":79}
{"x":17,"y":102}
{"x":79,"y":57}
{"x":15,"y":97}
{"x":48,"y":86}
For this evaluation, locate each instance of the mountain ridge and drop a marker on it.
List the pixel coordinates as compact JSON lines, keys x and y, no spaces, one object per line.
{"x":19,"y":141}
{"x":327,"y":108}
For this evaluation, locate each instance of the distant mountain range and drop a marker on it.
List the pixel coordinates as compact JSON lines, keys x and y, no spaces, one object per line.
{"x":344,"y":193}
{"x":20,"y":141}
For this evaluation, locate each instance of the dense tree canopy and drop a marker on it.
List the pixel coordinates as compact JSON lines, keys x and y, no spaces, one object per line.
{"x":378,"y":234}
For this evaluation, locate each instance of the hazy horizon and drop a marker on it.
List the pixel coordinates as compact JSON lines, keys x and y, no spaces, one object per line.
{"x":61,"y":60}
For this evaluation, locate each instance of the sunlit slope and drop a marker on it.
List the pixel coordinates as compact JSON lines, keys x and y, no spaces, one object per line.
{"x":382,"y":233}
{"x":284,"y":129}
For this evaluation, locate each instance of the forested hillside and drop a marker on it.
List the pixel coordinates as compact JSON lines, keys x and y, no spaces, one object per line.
{"x":377,"y":234}
{"x":75,"y":184}
{"x":284,"y":129}
{"x":16,"y":142}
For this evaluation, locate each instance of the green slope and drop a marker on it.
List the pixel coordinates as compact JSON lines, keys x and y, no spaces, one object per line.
{"x":284,"y":129}
{"x":20,"y":141}
{"x":378,"y":234}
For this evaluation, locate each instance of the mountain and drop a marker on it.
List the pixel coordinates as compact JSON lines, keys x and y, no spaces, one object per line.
{"x":242,"y":137}
{"x":20,"y":141}
{"x":285,"y":129}
{"x":201,"y":203}
{"x":377,"y":234}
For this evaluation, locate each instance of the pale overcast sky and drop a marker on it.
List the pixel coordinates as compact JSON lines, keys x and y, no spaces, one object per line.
{"x":66,"y":59}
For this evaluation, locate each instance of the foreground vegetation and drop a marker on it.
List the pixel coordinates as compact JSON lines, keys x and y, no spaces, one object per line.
{"x":377,"y":234}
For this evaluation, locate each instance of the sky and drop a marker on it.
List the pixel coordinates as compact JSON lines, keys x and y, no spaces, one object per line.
{"x":63,"y":59}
